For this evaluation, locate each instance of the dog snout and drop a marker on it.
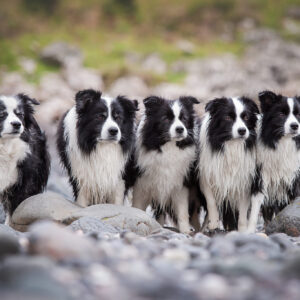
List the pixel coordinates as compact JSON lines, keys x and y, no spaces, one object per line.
{"x":242,"y":131}
{"x":179,"y":129}
{"x":113,"y":131}
{"x":16,"y":125}
{"x":294,"y":126}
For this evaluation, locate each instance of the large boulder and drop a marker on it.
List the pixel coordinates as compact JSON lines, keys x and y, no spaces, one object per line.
{"x":52,"y":206}
{"x":287,"y":221}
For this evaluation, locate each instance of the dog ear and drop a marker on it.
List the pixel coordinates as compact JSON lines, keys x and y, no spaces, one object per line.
{"x":212,"y":105}
{"x":85,"y":97}
{"x":267,"y":99}
{"x":128,"y":105}
{"x":28,"y":109}
{"x":153,"y":102}
{"x":251,"y":104}
{"x":188,"y":100}
{"x":28,"y":100}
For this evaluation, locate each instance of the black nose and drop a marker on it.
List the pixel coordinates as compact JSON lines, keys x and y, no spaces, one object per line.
{"x":113,"y":131}
{"x":179,"y":129}
{"x":242,"y":131}
{"x":294,"y":126}
{"x":16,"y":125}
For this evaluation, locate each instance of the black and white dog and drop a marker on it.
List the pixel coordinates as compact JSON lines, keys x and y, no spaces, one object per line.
{"x":95,"y":139}
{"x":227,"y":164}
{"x":165,"y":153}
{"x":24,"y":160}
{"x":278,"y":155}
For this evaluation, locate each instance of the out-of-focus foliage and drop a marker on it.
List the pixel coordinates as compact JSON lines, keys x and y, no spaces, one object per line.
{"x":106,"y":30}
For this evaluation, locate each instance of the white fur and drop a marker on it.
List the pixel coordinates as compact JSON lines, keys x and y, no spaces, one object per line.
{"x":99,"y":174}
{"x":12,"y":151}
{"x":109,"y":122}
{"x":177,"y":123}
{"x":228,"y":173}
{"x":162,"y":177}
{"x":291,"y":119}
{"x":11,"y":104}
{"x":239,"y":123}
{"x":279,"y":168}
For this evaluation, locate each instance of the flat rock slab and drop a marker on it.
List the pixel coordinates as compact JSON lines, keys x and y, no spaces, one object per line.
{"x":51,"y":206}
{"x":287,"y":221}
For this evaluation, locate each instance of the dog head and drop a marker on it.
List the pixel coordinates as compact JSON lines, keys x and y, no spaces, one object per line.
{"x":281,"y":116}
{"x":101,"y":118}
{"x":231,"y":118}
{"x":167,"y":120}
{"x":16,"y":112}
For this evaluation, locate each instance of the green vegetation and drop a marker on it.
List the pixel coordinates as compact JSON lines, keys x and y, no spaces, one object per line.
{"x":108,"y":30}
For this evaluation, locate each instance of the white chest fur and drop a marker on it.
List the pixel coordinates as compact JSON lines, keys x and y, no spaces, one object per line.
{"x":163,"y":172}
{"x":12,"y":151}
{"x":98,"y":174}
{"x":230,"y":172}
{"x":279,"y":168}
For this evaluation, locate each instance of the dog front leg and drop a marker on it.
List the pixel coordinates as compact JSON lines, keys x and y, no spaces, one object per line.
{"x":243,"y":210}
{"x":119,"y":194}
{"x":140,"y":197}
{"x":181,"y":202}
{"x":212,"y":209}
{"x":256,"y":202}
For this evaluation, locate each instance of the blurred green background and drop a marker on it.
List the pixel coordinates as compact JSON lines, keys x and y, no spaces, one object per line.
{"x":107,"y":30}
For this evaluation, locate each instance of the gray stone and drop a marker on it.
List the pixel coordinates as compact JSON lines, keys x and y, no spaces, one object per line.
{"x":9,"y":244}
{"x":287,"y":221}
{"x":89,"y":225}
{"x":4,"y":229}
{"x":49,"y":206}
{"x":52,"y":206}
{"x":155,"y":64}
{"x":62,"y":54}
{"x":282,"y":240}
{"x":2,"y":214}
{"x":123,"y":217}
{"x":59,"y":243}
{"x":34,"y":278}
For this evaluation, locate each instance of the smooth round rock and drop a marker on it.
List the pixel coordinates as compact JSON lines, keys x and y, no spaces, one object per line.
{"x":51,"y":206}
{"x":287,"y":221}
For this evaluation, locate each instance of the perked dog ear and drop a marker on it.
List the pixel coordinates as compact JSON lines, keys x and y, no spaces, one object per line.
{"x":188,"y":100}
{"x":212,"y":105}
{"x":85,"y":97}
{"x":128,"y":105}
{"x":153,"y":102}
{"x":28,"y":109}
{"x":28,"y":100}
{"x":267,"y":99}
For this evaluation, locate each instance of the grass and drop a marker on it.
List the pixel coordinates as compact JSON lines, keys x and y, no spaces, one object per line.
{"x":107,"y":30}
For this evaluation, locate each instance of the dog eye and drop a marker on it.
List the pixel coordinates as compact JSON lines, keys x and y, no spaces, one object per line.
{"x":20,"y":114}
{"x":228,"y":118}
{"x":2,"y":115}
{"x":245,"y":117}
{"x":117,"y":116}
{"x":102,"y":116}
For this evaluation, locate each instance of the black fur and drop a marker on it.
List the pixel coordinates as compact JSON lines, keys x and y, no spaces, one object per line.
{"x":34,"y":170}
{"x":92,"y":113}
{"x":223,"y":116}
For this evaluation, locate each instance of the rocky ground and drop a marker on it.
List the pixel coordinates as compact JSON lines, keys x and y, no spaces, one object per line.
{"x":93,"y":260}
{"x":97,"y":259}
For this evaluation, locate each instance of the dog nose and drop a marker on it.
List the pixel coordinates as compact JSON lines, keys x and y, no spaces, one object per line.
{"x":113,"y":131}
{"x":179,"y":129}
{"x":294,"y":126}
{"x":16,"y":125}
{"x":242,"y":131}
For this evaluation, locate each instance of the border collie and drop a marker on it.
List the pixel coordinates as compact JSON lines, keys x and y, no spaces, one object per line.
{"x":24,"y":159}
{"x":278,"y":155}
{"x":165,"y":153}
{"x":95,"y":139}
{"x":227,"y":165}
